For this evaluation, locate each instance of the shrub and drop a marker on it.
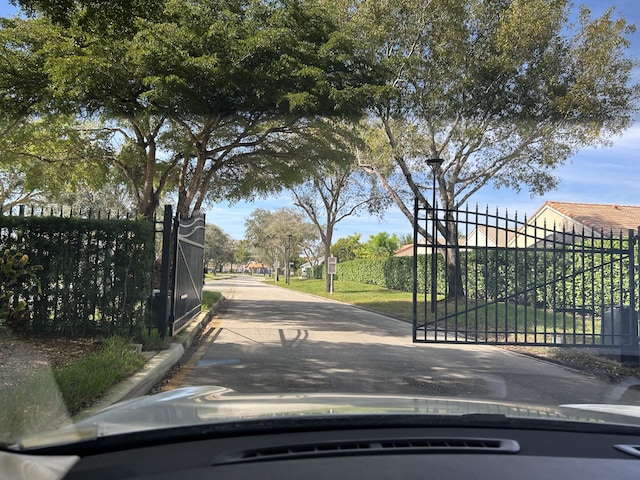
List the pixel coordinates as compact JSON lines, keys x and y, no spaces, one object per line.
{"x":96,"y":273}
{"x":17,"y":282}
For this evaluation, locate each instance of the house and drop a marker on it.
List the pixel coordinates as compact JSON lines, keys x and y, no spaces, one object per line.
{"x":562,"y":221}
{"x":486,"y":236}
{"x":558,"y":222}
{"x":407,"y":250}
{"x":257,"y":268}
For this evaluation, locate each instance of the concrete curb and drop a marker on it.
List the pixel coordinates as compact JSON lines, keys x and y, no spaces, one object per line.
{"x":156,"y":367}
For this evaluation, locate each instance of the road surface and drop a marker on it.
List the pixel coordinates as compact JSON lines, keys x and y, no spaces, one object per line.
{"x":273,"y":340}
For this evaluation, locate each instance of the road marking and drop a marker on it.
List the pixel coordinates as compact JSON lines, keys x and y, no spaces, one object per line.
{"x":212,"y":362}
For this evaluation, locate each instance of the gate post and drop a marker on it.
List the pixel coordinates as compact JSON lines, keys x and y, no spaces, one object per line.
{"x":164,"y":270}
{"x":630,"y":350}
{"x":414,"y":262}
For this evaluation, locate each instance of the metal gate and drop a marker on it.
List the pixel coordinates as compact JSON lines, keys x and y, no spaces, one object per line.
{"x":181,"y":275}
{"x":508,"y":281}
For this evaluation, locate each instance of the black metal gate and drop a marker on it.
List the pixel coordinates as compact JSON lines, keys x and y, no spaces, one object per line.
{"x":181,"y":275}
{"x":506,"y":281}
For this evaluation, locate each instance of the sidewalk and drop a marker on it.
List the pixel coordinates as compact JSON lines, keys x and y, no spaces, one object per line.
{"x":158,"y":365}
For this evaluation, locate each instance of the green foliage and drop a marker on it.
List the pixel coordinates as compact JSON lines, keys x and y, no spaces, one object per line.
{"x":152,"y":339}
{"x":242,"y":254}
{"x":209,"y":299}
{"x":17,"y":282}
{"x":96,"y":273}
{"x":218,"y":247}
{"x":44,"y":399}
{"x":346,"y":248}
{"x":229,"y":91}
{"x":272,"y":233}
{"x":318,"y":271}
{"x":395,"y":273}
{"x":379,"y":246}
{"x":591,"y":276}
{"x":518,"y":91}
{"x":83,"y":382}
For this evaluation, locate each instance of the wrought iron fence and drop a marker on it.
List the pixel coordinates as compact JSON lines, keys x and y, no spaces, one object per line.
{"x":95,"y":273}
{"x":510,"y":281}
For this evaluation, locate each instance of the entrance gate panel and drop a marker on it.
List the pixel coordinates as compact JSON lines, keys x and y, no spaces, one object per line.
{"x":499,"y":280}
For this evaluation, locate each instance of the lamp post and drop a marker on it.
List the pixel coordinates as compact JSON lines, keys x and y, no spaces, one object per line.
{"x":434,"y":163}
{"x":287,"y":271}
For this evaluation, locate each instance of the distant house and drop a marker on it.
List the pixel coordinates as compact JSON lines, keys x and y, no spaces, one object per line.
{"x":486,"y":236}
{"x":256,"y":268}
{"x":565,"y":222}
{"x":560,"y":221}
{"x":407,"y":250}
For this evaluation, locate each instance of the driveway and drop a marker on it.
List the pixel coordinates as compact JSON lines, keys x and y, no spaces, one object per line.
{"x":273,"y":340}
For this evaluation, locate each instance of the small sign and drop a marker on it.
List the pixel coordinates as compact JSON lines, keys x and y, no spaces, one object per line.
{"x":331,"y":265}
{"x":276,"y":264}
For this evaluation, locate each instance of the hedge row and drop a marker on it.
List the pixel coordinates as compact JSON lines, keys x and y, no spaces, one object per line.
{"x":586,"y":277}
{"x":96,"y":274}
{"x":395,"y":273}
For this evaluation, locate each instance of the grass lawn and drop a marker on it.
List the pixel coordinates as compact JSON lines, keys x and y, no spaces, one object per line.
{"x":44,"y":397}
{"x":369,"y":296}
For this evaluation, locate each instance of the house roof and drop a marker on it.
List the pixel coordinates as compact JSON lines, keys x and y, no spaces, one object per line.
{"x":596,"y":216}
{"x":497,"y":235}
{"x":407,"y":250}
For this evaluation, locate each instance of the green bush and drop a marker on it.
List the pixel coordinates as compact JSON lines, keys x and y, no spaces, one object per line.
{"x":17,"y":282}
{"x":395,"y":273}
{"x":96,"y":273}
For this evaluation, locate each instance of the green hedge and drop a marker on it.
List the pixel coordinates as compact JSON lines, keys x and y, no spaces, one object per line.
{"x":96,"y":273}
{"x":584,"y":276}
{"x":395,"y":273}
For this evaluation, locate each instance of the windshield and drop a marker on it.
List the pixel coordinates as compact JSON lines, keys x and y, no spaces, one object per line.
{"x":219,"y":210}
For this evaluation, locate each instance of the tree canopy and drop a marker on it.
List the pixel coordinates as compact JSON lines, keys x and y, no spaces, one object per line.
{"x":272,"y":233}
{"x":214,"y":99}
{"x":503,"y":91}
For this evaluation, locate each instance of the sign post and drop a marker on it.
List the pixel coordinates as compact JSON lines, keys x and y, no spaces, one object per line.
{"x":331,"y":270}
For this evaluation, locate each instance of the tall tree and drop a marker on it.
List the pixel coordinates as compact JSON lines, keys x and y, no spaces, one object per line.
{"x":212,"y":98}
{"x":274,"y":234}
{"x":502,"y":91}
{"x":218,"y":247}
{"x":242,"y":253}
{"x":346,"y":248}
{"x":337,"y":190}
{"x":379,"y":245}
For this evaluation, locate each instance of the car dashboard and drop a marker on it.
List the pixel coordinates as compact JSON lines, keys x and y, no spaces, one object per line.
{"x":344,"y":451}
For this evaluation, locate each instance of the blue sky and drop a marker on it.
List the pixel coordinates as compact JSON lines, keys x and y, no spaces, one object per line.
{"x":603,"y":175}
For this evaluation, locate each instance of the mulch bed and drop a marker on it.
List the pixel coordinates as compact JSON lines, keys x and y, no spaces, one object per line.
{"x":24,"y":355}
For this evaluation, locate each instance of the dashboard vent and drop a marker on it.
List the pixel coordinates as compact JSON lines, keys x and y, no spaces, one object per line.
{"x":633,"y":450}
{"x":375,"y":447}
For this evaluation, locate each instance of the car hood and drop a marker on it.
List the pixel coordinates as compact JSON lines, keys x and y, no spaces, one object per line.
{"x":210,"y":405}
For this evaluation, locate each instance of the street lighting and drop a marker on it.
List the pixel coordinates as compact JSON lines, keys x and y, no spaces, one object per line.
{"x":434,"y":163}
{"x":287,"y":274}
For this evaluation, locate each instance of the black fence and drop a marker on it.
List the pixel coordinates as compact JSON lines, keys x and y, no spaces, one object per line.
{"x":95,"y":275}
{"x":509,"y":281}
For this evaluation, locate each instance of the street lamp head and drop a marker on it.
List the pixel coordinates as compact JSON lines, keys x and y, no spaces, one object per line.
{"x":434,"y":162}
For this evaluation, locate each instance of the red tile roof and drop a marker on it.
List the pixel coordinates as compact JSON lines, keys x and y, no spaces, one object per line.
{"x":599,"y":217}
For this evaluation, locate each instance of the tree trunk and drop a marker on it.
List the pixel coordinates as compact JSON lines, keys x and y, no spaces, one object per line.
{"x":328,"y":236}
{"x":455,"y":285}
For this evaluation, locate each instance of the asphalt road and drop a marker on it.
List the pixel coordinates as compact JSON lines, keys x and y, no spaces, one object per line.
{"x":272,"y":340}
